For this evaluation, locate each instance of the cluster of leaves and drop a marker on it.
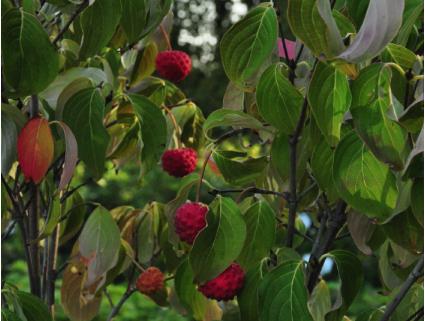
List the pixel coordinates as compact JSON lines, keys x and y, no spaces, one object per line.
{"x":335,"y":131}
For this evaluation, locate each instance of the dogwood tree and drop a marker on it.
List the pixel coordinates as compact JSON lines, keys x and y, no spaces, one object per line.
{"x":322,"y":119}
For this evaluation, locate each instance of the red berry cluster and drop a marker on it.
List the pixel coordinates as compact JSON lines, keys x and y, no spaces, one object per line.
{"x":179,"y":162}
{"x":190,"y":220}
{"x":173,"y":65}
{"x":226,"y":285}
{"x":150,"y":281}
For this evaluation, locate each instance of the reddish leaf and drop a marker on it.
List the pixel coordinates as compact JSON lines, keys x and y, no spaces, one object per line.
{"x":35,"y":149}
{"x":71,"y":154}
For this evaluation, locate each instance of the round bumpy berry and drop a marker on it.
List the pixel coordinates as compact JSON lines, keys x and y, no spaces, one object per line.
{"x":226,"y":285}
{"x":150,"y":281}
{"x":179,"y":162}
{"x":190,"y":220}
{"x":173,"y":65}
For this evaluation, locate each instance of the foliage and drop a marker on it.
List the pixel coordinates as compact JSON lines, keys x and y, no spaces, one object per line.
{"x":334,"y":134}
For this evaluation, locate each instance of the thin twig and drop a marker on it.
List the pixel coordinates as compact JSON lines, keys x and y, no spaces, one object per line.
{"x":116,"y":309}
{"x":416,"y":273}
{"x":80,"y":8}
{"x":201,"y":175}
{"x":108,"y":296}
{"x":9,"y":230}
{"x":417,"y":315}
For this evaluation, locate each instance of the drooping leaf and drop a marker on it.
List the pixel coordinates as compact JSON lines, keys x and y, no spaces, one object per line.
{"x":248,"y":297}
{"x":75,"y":305}
{"x":71,"y":155}
{"x":412,"y":117}
{"x":145,"y":63}
{"x":372,"y":101}
{"x":9,"y":138}
{"x":417,"y":201}
{"x":329,"y":97}
{"x":83,"y":113}
{"x":320,"y":303}
{"x":283,"y":294}
{"x":246,"y":45}
{"x":227,"y":117}
{"x":35,"y":149}
{"x":153,"y":130}
{"x":283,"y":108}
{"x":105,"y":15}
{"x":412,"y":12}
{"x":220,"y":243}
{"x":29,"y":60}
{"x":99,"y":244}
{"x":361,"y":230}
{"x":351,"y":274}
{"x":414,"y":164}
{"x":380,"y":25}
{"x":307,"y":24}
{"x":186,"y":291}
{"x":147,"y":231}
{"x":260,"y":223}
{"x":238,"y":168}
{"x":363,"y":181}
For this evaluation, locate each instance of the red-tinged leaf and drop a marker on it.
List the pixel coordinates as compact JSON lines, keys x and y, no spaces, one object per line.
{"x":35,"y":149}
{"x":71,"y":154}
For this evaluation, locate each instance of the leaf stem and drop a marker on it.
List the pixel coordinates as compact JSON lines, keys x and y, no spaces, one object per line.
{"x":416,"y":273}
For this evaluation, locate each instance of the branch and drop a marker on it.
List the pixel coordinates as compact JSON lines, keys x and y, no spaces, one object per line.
{"x":417,"y":315}
{"x":329,"y":227}
{"x":416,"y":273}
{"x":33,"y":243}
{"x":293,"y":143}
{"x":9,"y":230}
{"x":252,"y":190}
{"x":71,"y":19}
{"x":116,"y":309}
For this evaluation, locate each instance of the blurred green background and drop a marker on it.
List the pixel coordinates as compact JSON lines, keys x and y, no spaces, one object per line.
{"x":198,"y":26}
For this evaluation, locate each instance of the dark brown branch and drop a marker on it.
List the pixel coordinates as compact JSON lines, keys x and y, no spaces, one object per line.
{"x":51,"y":260}
{"x":80,"y":8}
{"x":330,"y":224}
{"x":417,"y":315}
{"x":416,"y":273}
{"x":33,"y":244}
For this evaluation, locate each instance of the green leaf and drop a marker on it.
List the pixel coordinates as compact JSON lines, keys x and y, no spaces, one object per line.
{"x":248,"y":43}
{"x":187,"y":292}
{"x":83,"y":113}
{"x":321,"y":165}
{"x":372,"y":102}
{"x":220,"y":243}
{"x":147,"y":231}
{"x":9,"y":138}
{"x":153,"y":129}
{"x":74,"y":211}
{"x":33,"y":308}
{"x":283,"y":108}
{"x":98,"y":24}
{"x":417,"y":201}
{"x":248,"y":297}
{"x":329,"y":97}
{"x":412,"y":117}
{"x":157,"y":10}
{"x":53,"y":217}
{"x":415,"y":161}
{"x":400,"y":55}
{"x":99,"y":244}
{"x":380,"y":25}
{"x":260,"y":223}
{"x":344,"y":24}
{"x":412,"y":12}
{"x":361,"y":230}
{"x":351,"y":274}
{"x":29,"y":60}
{"x":8,"y":315}
{"x":227,"y":117}
{"x":362,"y":180}
{"x":319,"y":303}
{"x":410,"y":304}
{"x":308,"y":25}
{"x":234,"y":97}
{"x":280,"y":155}
{"x":52,"y":93}
{"x":133,"y":19}
{"x":145,"y":63}
{"x":410,"y":237}
{"x":238,"y":168}
{"x":283,"y":295}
